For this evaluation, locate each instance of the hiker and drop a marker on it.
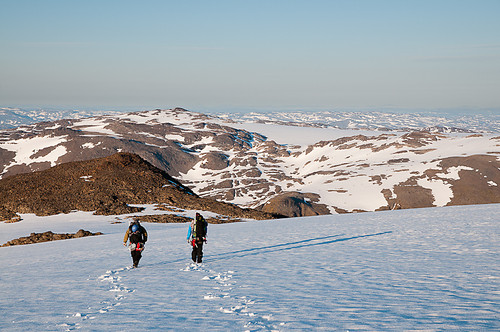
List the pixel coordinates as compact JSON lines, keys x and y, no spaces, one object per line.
{"x":137,"y":236}
{"x":197,"y":235}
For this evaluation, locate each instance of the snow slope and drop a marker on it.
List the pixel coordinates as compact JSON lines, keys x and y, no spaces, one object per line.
{"x":421,"y":269}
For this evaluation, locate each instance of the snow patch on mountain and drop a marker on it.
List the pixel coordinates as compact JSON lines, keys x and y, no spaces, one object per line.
{"x":28,"y":150}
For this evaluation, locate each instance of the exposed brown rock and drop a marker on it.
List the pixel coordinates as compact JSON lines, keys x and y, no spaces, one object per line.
{"x":398,"y":161}
{"x":48,"y":236}
{"x":475,"y":185}
{"x":411,"y":195}
{"x":162,"y":218}
{"x":295,"y":204}
{"x":418,"y":139}
{"x":171,"y":218}
{"x":215,"y":161}
{"x":8,"y":216}
{"x":6,"y":157}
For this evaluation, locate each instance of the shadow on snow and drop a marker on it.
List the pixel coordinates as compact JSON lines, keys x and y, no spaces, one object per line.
{"x":325,"y":240}
{"x":290,"y":246}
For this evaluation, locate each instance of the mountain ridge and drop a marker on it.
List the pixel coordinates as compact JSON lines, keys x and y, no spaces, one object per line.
{"x":219,"y":158}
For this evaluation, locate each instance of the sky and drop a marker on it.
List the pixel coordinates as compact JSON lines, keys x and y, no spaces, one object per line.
{"x":233,"y":55}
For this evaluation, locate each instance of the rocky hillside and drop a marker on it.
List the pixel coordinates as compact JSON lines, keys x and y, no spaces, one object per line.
{"x":215,"y":158}
{"x":107,"y":186}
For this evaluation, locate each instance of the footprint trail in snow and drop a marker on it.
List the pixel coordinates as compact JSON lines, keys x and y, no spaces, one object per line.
{"x":115,"y":286}
{"x":221,"y":292}
{"x":223,"y":284}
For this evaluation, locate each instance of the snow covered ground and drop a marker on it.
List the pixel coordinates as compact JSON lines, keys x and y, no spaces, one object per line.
{"x":422,"y":269}
{"x":449,"y":121}
{"x":303,"y":136}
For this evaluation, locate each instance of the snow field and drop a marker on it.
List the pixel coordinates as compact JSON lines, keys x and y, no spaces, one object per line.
{"x":423,"y":269}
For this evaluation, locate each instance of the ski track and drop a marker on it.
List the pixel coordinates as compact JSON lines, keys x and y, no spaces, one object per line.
{"x":222,"y":285}
{"x":115,"y":285}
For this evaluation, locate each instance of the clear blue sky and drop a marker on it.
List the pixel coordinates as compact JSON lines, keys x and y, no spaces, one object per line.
{"x":240,"y":54}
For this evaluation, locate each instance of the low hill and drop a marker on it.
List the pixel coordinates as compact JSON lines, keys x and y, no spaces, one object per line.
{"x":105,"y":185}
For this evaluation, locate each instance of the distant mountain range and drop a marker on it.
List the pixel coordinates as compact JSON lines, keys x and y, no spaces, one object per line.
{"x":472,"y":122}
{"x":445,"y":122}
{"x":11,"y":117}
{"x":215,"y":157}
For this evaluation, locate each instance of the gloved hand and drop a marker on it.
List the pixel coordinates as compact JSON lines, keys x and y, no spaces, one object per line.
{"x":205,"y":239}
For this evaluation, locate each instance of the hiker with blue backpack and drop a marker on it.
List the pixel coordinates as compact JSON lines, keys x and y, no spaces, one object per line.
{"x":197,"y":235}
{"x":137,"y":236}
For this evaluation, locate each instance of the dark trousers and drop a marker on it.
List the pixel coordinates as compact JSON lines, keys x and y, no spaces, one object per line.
{"x":136,"y":257}
{"x":197,"y":253}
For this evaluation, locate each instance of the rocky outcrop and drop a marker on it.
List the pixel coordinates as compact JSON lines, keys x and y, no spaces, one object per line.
{"x":48,"y":236}
{"x":172,"y":218}
{"x":295,"y":204}
{"x":8,"y":216}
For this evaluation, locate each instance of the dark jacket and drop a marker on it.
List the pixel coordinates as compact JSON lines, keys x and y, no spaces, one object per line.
{"x":142,"y":232}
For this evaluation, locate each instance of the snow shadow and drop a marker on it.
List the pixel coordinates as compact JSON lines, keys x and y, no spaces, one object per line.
{"x":291,"y":245}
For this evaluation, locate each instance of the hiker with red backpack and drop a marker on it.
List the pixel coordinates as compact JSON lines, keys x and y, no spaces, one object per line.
{"x":137,"y":236}
{"x":197,"y":235}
